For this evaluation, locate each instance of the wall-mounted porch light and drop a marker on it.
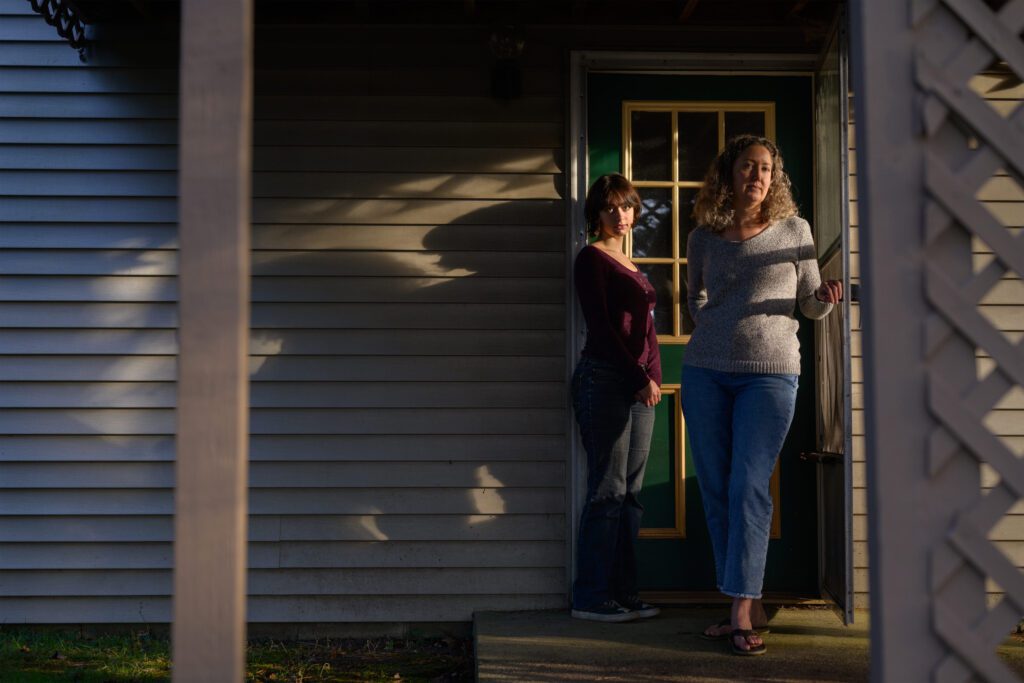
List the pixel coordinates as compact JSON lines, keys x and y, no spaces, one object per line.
{"x":507,"y":45}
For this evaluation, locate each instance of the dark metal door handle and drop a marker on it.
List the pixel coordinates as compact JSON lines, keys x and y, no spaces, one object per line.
{"x":822,"y":456}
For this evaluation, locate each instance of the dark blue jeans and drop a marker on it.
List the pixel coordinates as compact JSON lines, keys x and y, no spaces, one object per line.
{"x":737,"y":422}
{"x":616,"y":433}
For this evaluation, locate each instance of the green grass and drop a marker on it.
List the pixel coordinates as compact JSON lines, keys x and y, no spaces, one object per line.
{"x":31,"y":656}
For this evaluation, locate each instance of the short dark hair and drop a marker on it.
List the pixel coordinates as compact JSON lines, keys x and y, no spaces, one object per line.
{"x":612,"y":188}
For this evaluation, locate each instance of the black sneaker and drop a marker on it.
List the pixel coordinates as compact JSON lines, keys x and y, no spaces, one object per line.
{"x":610,"y":611}
{"x":641,"y":609}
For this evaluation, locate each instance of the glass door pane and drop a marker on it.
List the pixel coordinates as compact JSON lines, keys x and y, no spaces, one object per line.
{"x":652,"y":234}
{"x":651,"y":139}
{"x":698,"y":143}
{"x":661,"y":278}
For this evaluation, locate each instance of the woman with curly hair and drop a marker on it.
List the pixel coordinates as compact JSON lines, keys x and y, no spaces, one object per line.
{"x":615,"y":387}
{"x":751,"y":263}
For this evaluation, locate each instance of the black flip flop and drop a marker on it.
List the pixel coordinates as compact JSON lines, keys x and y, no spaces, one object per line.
{"x":758,"y":630}
{"x":745,"y":633}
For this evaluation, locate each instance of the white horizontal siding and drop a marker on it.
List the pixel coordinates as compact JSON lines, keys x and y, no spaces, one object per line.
{"x":423,"y":134}
{"x":281,"y":609}
{"x":319,"y":184}
{"x":454,"y":421}
{"x":408,"y":371}
{"x":292,"y":342}
{"x":290,"y":527}
{"x":312,"y":582}
{"x":295,"y":554}
{"x":291,"y":474}
{"x":163,"y":157}
{"x":296,"y":501}
{"x":441,"y":80}
{"x":129,"y":235}
{"x":337,"y":108}
{"x":298,"y":289}
{"x":328,"y":211}
{"x":291,"y":395}
{"x":144,"y":368}
{"x":481,"y":316}
{"x":304,"y":447}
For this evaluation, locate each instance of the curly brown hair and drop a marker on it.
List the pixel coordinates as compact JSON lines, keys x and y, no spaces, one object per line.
{"x":612,"y":188}
{"x":713,"y":207}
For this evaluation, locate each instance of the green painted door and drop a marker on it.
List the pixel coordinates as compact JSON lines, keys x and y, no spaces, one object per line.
{"x":662,"y":132}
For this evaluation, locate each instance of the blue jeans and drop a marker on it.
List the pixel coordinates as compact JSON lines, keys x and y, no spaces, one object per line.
{"x":737,"y":423}
{"x":616,"y":433}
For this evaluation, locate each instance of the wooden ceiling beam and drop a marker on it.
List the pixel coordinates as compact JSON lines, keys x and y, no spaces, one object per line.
{"x":688,"y":9}
{"x":143,"y":8}
{"x":797,"y":7}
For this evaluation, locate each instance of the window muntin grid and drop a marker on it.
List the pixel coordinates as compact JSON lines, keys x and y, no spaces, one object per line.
{"x":657,"y":245}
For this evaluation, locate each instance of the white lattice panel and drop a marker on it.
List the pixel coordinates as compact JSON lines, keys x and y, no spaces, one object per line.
{"x":966,"y":143}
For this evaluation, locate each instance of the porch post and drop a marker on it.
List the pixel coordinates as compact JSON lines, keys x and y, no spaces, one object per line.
{"x":926,"y":143}
{"x":213,"y":284}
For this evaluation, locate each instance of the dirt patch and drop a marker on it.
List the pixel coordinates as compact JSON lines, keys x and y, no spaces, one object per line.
{"x":384,"y":659}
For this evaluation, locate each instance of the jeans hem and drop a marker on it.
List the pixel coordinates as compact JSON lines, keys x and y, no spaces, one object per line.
{"x":732,"y":594}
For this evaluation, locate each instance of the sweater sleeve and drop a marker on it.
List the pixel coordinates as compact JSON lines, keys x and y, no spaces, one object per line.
{"x":808,"y":279}
{"x":591,"y":276}
{"x":696,"y":293}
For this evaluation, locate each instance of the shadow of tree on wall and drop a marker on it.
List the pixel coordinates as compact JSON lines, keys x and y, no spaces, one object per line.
{"x":408,"y":392}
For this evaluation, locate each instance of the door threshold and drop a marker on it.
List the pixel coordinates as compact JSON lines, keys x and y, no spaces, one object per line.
{"x":715,"y":598}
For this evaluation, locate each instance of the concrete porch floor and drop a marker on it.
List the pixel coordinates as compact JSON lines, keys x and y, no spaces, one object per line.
{"x":804,"y":645}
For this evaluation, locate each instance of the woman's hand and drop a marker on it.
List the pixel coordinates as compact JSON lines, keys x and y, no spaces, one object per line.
{"x":830,"y":292}
{"x":649,"y":395}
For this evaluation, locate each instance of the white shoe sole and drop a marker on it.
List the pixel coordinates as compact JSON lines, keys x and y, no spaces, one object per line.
{"x":607,"y":618}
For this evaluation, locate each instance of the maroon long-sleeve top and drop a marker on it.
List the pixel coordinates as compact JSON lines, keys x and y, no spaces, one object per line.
{"x":617,"y":304}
